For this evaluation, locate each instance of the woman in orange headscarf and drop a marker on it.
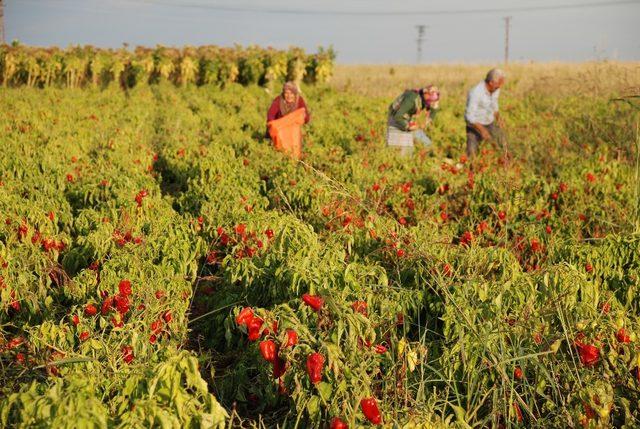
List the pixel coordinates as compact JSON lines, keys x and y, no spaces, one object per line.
{"x":285,"y":118}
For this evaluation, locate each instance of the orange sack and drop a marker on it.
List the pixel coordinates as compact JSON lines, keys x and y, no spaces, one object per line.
{"x":286,"y":133}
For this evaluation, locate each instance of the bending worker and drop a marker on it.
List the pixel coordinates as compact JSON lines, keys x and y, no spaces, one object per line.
{"x":481,"y":115}
{"x":285,"y":118}
{"x":402,"y":126}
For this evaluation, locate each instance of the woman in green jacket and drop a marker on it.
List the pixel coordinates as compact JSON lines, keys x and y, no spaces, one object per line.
{"x":402,"y":127}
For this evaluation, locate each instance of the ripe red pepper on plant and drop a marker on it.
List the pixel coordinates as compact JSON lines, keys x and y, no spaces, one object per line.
{"x":516,"y":407}
{"x":90,"y":310}
{"x":140,"y":196}
{"x":370,"y":410}
{"x":517,"y":373}
{"x":622,"y":336}
{"x":122,"y":304}
{"x":268,"y":350}
{"x":292,"y":338}
{"x":315,"y":364}
{"x":313,"y":301}
{"x":107,"y":304}
{"x":380,"y":349}
{"x":156,"y":326}
{"x":124,"y":287}
{"x":589,"y":354}
{"x":360,"y":307}
{"x":338,"y":423}
{"x":255,"y":328}
{"x":241,"y":229}
{"x":127,"y":354}
{"x":245,"y":316}
{"x":279,"y":367}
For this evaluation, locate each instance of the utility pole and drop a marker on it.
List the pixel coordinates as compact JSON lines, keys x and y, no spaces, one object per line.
{"x":419,"y":41}
{"x":507,"y":25}
{"x":2,"y":22}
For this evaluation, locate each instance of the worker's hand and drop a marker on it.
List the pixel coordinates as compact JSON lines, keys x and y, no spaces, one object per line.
{"x":413,"y":126}
{"x":501,"y":122}
{"x":485,"y":134}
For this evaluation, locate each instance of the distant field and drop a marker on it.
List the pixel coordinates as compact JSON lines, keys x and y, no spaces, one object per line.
{"x":162,"y":266}
{"x":597,"y":79}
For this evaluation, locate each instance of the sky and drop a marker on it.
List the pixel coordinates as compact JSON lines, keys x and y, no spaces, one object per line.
{"x":361,"y":31}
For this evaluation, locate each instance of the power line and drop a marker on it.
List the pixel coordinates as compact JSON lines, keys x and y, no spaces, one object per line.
{"x":393,"y":13}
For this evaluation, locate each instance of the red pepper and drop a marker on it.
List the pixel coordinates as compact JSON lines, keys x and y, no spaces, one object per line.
{"x":370,"y":410}
{"x":241,"y":229}
{"x":292,"y":338}
{"x":313,"y":301}
{"x":282,"y":389}
{"x":90,"y":310}
{"x":517,"y":373}
{"x":338,"y":423}
{"x":516,"y":407}
{"x":315,"y":362}
{"x":360,"y":307}
{"x":245,"y":316}
{"x":268,"y":350}
{"x":127,"y":354}
{"x":589,"y":354}
{"x":279,"y":367}
{"x":380,"y":349}
{"x":622,"y":336}
{"x":107,"y":304}
{"x":124,"y":288}
{"x":255,"y":328}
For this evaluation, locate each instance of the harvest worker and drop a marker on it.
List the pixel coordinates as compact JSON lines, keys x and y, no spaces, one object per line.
{"x":402,"y":127}
{"x":285,"y":118}
{"x":481,"y":114}
{"x":288,"y":101}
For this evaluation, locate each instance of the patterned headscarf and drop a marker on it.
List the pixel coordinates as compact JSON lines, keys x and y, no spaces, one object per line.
{"x":286,"y":108}
{"x":431,"y":96}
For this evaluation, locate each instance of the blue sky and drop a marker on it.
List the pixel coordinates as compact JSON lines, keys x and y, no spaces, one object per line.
{"x":371,"y":31}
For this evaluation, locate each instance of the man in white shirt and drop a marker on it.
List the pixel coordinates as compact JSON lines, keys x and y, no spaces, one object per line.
{"x":482,"y":114}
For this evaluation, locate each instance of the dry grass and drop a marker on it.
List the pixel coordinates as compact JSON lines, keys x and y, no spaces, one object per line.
{"x":595,"y":78}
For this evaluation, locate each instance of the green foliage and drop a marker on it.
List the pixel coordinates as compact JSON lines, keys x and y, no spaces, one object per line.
{"x":438,"y":283}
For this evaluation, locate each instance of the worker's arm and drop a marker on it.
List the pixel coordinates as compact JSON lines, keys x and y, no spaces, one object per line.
{"x":307,"y":114}
{"x":486,"y":135}
{"x":498,"y":119}
{"x":273,"y":110}
{"x":405,"y":108}
{"x":432,"y":113}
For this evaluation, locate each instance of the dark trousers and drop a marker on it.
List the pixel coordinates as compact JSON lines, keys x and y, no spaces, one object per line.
{"x":474,"y":138}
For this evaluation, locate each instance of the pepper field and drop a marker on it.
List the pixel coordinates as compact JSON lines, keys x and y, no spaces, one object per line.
{"x":162,"y":266}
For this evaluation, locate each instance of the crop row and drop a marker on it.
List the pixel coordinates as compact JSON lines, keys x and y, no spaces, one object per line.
{"x":155,"y":248}
{"x":89,"y":66}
